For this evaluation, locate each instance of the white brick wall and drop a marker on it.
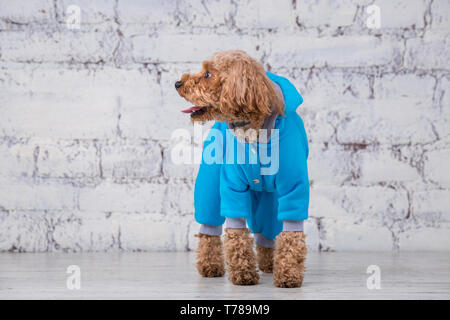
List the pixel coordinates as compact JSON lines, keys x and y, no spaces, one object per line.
{"x":86,"y":118}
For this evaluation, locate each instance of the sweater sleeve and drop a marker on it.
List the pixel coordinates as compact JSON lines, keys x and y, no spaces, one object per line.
{"x":292,"y":181}
{"x":234,"y":193}
{"x":207,"y":184}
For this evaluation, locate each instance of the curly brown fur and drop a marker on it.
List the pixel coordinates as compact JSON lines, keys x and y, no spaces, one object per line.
{"x":240,"y":257}
{"x":265,"y":258}
{"x":289,"y":262}
{"x":231,"y":87}
{"x":210,"y":260}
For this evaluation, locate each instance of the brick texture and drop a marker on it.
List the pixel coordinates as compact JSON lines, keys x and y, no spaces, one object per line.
{"x":87,"y":116}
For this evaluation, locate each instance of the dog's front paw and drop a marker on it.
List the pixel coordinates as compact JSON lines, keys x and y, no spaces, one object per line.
{"x":240,"y":257}
{"x":210,"y":260}
{"x":289,"y":262}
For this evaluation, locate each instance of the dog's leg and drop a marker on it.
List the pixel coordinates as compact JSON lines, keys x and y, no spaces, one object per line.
{"x":210,"y":260}
{"x":264,"y":252}
{"x":289,"y":262}
{"x":240,"y":256}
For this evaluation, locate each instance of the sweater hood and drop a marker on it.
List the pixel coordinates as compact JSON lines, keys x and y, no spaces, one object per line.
{"x":292,"y":98}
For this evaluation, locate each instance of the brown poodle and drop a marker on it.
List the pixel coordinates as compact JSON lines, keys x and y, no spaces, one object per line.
{"x":232,"y":87}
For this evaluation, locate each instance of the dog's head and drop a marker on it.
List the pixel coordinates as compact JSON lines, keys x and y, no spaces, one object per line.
{"x":231,"y":87}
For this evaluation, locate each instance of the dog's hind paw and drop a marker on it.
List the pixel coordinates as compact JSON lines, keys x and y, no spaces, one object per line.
{"x":265,"y":258}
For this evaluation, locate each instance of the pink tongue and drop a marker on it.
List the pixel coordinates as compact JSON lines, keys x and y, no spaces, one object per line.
{"x":191,"y":109}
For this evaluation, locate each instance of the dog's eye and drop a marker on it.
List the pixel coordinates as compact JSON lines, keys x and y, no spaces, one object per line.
{"x":206,"y":75}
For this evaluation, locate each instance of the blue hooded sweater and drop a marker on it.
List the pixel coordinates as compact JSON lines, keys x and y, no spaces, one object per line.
{"x":266,"y":187}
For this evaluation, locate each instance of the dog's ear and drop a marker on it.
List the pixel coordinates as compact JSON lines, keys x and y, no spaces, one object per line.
{"x":246,"y":89}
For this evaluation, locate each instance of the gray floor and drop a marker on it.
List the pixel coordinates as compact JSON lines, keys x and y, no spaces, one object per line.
{"x":173,"y":276}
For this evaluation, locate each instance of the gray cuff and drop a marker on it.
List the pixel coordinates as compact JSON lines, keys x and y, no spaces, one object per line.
{"x":236,"y":223}
{"x":211,"y":230}
{"x":262,"y":241}
{"x":292,"y":225}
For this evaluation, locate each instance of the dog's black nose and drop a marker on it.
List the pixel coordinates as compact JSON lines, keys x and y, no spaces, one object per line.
{"x":178,"y":84}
